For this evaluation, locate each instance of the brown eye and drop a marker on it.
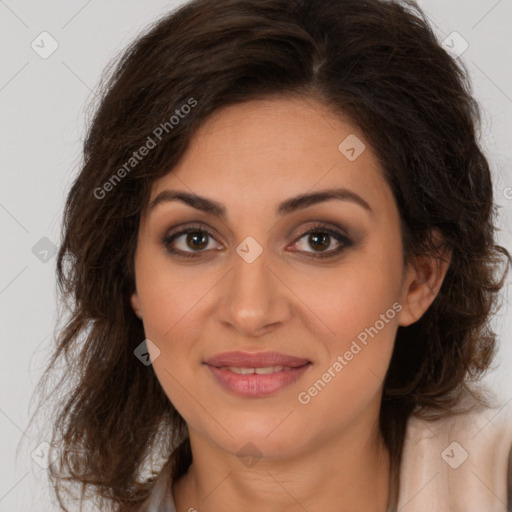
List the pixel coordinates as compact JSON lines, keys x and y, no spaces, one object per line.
{"x":189,"y":242}
{"x":320,"y":239}
{"x":196,"y":240}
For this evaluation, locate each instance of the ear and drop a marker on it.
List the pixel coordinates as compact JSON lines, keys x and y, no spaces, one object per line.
{"x":135,"y":303}
{"x":422,"y":282}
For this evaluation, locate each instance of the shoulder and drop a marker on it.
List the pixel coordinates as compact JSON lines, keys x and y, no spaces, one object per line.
{"x":160,"y":498}
{"x":458,"y":462}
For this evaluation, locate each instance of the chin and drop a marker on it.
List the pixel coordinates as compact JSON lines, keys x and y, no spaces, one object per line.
{"x":259,"y":438}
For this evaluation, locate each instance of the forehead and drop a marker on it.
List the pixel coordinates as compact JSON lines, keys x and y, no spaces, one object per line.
{"x":267,"y":150}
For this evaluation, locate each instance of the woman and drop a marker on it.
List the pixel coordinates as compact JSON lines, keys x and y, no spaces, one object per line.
{"x":282,"y":257}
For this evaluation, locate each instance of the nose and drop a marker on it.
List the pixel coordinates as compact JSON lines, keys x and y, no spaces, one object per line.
{"x":254,"y":299}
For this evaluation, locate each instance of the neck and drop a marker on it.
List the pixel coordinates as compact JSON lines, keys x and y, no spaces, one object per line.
{"x":350,"y":472}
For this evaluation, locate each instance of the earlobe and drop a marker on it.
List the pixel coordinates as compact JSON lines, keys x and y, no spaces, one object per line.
{"x":135,"y":303}
{"x":421,"y":286}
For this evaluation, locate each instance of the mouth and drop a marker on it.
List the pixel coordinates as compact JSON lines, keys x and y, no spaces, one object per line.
{"x":265,"y":370}
{"x":256,"y":374}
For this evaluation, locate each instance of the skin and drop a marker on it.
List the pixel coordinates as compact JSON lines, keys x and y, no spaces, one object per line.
{"x":327,"y":454}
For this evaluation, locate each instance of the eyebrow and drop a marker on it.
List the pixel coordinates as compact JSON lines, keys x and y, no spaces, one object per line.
{"x":288,"y":206}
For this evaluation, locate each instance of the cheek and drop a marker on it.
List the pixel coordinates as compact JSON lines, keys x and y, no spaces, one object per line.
{"x":169,"y":297}
{"x":173,"y":302}
{"x":358,"y":306}
{"x":358,"y":353}
{"x":357,"y":356}
{"x":352,"y":297}
{"x":170,"y":305}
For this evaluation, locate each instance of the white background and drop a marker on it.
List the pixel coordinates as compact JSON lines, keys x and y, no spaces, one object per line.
{"x":42,"y":105}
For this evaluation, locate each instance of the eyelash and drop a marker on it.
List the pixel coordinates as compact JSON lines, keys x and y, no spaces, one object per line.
{"x":318,"y":229}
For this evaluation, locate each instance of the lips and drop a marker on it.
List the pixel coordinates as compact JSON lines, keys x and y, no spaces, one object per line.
{"x":256,"y":374}
{"x":255,"y":360}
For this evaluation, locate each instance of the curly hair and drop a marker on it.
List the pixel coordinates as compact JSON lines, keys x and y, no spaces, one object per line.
{"x":375,"y":62}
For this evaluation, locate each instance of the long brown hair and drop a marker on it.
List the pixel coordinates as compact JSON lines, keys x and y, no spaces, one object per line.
{"x":376,"y":62}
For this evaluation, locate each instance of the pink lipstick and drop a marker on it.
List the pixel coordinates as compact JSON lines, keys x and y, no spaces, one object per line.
{"x":256,"y":374}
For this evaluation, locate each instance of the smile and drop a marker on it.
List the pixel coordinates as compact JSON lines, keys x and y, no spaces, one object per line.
{"x":260,"y":371}
{"x":255,"y":375}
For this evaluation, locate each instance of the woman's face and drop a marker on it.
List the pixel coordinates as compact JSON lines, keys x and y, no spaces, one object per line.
{"x":272,"y":268}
